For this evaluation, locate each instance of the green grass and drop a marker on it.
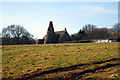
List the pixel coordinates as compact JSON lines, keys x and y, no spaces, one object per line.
{"x":18,"y":60}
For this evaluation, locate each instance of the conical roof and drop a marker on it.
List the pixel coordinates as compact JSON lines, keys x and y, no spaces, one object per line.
{"x":50,"y":27}
{"x":50,"y":34}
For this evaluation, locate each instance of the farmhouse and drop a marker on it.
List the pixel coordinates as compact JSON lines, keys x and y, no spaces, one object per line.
{"x":56,"y":37}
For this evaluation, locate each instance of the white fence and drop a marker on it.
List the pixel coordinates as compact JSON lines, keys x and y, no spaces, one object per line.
{"x":104,"y":41}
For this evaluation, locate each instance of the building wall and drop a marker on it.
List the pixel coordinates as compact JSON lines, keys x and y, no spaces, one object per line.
{"x":40,"y":41}
{"x":64,"y":38}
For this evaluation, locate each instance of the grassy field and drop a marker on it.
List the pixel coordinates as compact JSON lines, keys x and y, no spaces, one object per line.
{"x":61,"y":61}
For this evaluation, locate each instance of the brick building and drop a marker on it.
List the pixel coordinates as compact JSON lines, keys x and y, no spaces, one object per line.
{"x":56,"y":36}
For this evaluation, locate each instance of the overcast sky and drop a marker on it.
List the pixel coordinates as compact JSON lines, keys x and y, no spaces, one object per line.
{"x":35,"y":16}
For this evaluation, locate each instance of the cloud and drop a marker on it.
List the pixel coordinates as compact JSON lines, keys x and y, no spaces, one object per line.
{"x":82,"y":10}
{"x":99,"y":10}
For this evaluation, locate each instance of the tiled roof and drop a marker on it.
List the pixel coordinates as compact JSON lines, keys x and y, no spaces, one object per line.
{"x":60,"y":32}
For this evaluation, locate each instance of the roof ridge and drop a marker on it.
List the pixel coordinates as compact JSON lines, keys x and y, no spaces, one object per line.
{"x":59,"y":31}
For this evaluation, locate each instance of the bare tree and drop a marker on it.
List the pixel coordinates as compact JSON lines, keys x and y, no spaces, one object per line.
{"x":101,"y":33}
{"x":89,"y":28}
{"x":116,"y":30}
{"x":16,"y":33}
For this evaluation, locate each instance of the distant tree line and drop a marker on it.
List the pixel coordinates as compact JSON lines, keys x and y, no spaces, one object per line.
{"x":16,"y":34}
{"x":90,"y":31}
